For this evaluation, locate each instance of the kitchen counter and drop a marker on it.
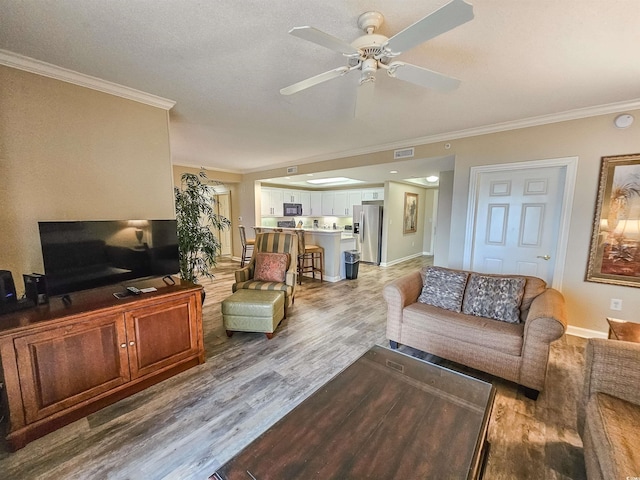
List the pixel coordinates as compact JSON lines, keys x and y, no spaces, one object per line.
{"x":334,"y":243}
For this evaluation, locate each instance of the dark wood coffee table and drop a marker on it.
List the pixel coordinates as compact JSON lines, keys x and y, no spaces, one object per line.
{"x":388,"y":415}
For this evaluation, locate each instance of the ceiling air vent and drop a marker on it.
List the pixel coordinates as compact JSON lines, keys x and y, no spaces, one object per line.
{"x":292,"y":170}
{"x":404,"y":153}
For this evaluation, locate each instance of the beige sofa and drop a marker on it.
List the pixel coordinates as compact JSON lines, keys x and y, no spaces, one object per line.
{"x":609,"y":410}
{"x":514,"y":351}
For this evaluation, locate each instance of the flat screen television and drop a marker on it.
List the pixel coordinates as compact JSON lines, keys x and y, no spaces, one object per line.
{"x":79,"y":255}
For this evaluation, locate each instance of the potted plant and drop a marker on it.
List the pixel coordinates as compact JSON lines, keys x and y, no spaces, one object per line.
{"x":197,"y":221}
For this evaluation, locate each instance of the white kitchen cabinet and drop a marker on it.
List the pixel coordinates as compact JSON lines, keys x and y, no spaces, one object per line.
{"x":328,"y":199}
{"x":305,"y":200}
{"x":371,"y":194}
{"x":339,"y":203}
{"x":291,"y":196}
{"x":354,"y":198}
{"x":316,"y":204}
{"x":271,"y":202}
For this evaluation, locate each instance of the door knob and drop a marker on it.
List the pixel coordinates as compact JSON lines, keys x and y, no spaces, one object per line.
{"x":544,"y":257}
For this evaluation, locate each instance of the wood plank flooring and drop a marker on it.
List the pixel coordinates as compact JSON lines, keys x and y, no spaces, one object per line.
{"x":188,"y":426}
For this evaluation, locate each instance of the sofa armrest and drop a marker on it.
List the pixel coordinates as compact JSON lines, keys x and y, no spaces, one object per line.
{"x":611,"y":367}
{"x":547,"y":318}
{"x":244,"y":274}
{"x":398,"y":294}
{"x":546,"y":322}
{"x":291,"y":278}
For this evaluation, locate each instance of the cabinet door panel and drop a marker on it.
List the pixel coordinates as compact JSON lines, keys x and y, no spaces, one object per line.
{"x":162,"y":335}
{"x":64,"y":366}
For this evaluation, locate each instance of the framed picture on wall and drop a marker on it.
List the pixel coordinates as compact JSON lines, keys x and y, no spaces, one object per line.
{"x":614,"y":256}
{"x":410,"y":218}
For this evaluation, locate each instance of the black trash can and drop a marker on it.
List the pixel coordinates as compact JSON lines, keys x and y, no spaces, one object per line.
{"x":351,"y":264}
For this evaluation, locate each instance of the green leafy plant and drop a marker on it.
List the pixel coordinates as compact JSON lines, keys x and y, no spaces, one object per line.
{"x":197,"y":221}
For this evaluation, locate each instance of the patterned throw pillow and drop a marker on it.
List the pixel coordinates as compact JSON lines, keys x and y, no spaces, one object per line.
{"x":494,"y":297}
{"x":443,"y":288}
{"x":271,"y":267}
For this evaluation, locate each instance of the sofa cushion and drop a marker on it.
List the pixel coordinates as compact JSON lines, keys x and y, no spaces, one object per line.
{"x":533,"y":287}
{"x":443,"y":288}
{"x":271,"y":267}
{"x":502,"y":336}
{"x":494,"y":297}
{"x":614,"y":428}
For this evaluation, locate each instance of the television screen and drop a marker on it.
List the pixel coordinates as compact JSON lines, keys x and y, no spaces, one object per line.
{"x":87,"y":254}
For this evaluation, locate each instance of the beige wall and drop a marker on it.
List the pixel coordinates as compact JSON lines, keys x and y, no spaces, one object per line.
{"x":396,"y":245}
{"x":443,"y":227}
{"x":430,"y":204}
{"x":588,"y":139}
{"x":71,"y":153}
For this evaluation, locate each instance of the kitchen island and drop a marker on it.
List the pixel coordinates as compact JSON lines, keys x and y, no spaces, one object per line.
{"x":334,"y":243}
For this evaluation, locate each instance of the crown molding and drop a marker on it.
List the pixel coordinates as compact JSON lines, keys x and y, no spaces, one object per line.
{"x":471,"y":132}
{"x":28,"y":64}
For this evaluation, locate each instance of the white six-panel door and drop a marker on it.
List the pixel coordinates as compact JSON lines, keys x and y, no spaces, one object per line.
{"x":517,"y":221}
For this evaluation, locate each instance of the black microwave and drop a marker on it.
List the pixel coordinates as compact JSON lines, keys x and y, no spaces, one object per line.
{"x":292,"y":209}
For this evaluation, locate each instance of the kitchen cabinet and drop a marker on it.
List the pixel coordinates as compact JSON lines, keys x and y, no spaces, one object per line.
{"x":330,"y":203}
{"x":371,"y":194}
{"x":327,"y":203}
{"x":271,"y":200}
{"x":61,"y":363}
{"x":291,"y":196}
{"x":355,"y":198}
{"x":305,"y":200}
{"x":316,"y":204}
{"x":340,"y":203}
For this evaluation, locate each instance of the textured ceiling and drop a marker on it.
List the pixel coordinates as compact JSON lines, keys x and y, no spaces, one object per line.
{"x":224,"y":62}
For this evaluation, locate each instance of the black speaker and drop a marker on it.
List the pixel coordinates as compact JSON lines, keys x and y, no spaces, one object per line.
{"x":7,"y":288}
{"x":35,"y":288}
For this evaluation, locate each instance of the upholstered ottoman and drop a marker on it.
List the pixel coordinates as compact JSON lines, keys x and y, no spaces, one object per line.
{"x":253,"y":311}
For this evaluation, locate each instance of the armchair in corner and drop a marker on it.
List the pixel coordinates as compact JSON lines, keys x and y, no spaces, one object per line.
{"x":271,"y":242}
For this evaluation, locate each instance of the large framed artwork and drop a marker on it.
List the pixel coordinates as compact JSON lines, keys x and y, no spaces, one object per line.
{"x":614,"y":256}
{"x":410,"y":220}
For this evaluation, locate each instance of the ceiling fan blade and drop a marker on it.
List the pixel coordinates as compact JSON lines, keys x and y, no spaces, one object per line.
{"x":310,"y":82}
{"x":365,"y":100}
{"x":449,"y":16}
{"x":325,"y":40}
{"x":421,"y":76}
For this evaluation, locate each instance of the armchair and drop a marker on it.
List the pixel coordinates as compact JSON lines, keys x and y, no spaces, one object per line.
{"x":609,"y":410}
{"x":272,"y":242}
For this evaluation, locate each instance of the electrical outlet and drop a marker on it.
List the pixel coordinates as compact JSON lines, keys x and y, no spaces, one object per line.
{"x":616,"y":304}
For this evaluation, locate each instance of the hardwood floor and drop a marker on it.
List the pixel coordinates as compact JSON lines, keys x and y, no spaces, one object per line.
{"x":189,"y":425}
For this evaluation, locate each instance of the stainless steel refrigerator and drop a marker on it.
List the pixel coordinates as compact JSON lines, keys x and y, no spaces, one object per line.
{"x":367,"y":228}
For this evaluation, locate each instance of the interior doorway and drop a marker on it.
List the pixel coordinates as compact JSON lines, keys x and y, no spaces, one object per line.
{"x":518,"y":218}
{"x":222,"y":206}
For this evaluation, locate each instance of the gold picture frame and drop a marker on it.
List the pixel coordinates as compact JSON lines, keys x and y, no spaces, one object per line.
{"x":614,"y":256}
{"x":410,"y":217}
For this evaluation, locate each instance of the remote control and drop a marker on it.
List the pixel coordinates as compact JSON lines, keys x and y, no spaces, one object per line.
{"x":134,"y":290}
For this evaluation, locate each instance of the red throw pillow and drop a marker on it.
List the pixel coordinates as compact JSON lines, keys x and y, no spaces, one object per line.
{"x":271,"y":267}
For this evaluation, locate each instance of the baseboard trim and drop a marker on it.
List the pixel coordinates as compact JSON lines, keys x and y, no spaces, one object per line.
{"x":400,"y":260}
{"x":586,"y":333}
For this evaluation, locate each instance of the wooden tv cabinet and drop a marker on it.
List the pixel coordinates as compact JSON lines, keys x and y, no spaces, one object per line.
{"x":62,"y":362}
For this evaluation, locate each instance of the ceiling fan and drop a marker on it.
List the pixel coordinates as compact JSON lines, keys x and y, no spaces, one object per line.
{"x":372,"y":52}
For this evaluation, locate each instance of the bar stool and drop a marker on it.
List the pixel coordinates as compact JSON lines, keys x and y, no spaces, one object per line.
{"x":245,"y":244}
{"x":306,"y":253}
